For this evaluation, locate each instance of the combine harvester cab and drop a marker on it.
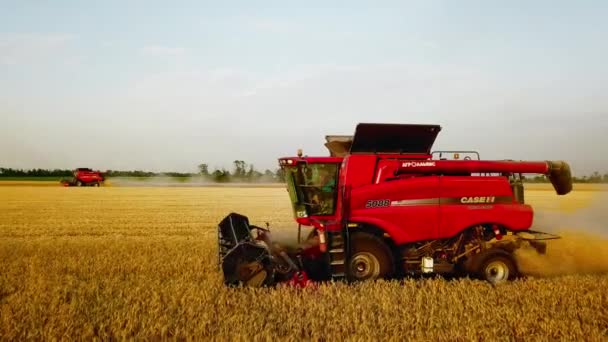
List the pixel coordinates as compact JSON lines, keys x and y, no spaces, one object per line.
{"x":382,"y":207}
{"x":85,"y":177}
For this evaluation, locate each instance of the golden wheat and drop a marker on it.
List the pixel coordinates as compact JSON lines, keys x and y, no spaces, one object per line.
{"x":142,"y":263}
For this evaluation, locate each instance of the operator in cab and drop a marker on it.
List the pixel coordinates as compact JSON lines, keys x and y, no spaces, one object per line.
{"x":325,"y":183}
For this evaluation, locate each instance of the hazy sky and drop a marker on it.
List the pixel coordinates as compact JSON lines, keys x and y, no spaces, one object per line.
{"x":166,"y":85}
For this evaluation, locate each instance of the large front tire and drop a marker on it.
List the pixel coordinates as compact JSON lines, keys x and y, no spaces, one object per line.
{"x":370,"y":258}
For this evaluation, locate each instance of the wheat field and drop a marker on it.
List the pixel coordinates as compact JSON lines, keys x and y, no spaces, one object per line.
{"x":141,"y":263}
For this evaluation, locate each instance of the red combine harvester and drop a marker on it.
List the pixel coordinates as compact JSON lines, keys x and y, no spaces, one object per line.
{"x":383,"y":205}
{"x":85,"y":177}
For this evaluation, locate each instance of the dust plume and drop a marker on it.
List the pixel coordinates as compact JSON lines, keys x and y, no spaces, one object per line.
{"x":159,"y":180}
{"x":194,"y":181}
{"x":583,"y":247}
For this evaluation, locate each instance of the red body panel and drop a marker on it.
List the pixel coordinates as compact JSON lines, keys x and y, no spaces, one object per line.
{"x":504,"y":210}
{"x":456,"y":218}
{"x":419,"y":202}
{"x":418,"y":199}
{"x":413,"y":212}
{"x":358,"y":170}
{"x":430,"y":207}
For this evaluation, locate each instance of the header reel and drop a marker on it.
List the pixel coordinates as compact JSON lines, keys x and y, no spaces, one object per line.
{"x":254,"y":262}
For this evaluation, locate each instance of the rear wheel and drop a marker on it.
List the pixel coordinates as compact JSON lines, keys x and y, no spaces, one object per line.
{"x":370,"y":258}
{"x":495,"y":266}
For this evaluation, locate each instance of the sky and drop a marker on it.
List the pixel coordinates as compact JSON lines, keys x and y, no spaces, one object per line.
{"x":165,"y":86}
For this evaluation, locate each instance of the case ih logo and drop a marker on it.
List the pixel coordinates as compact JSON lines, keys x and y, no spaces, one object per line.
{"x":418,"y":164}
{"x":476,"y":200}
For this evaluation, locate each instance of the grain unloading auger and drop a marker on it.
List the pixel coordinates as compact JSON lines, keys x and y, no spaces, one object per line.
{"x":383,"y":205}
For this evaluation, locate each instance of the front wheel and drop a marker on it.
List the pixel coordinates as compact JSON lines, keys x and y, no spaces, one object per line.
{"x":370,"y":258}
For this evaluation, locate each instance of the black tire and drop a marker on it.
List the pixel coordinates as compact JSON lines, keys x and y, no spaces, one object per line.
{"x":370,"y":258}
{"x":78,"y":183}
{"x":495,"y":266}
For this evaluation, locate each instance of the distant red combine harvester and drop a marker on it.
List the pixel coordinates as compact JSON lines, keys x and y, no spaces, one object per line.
{"x":84,"y":177}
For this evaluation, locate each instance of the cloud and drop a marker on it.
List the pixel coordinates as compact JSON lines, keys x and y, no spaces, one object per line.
{"x":163,"y":51}
{"x":20,"y":48}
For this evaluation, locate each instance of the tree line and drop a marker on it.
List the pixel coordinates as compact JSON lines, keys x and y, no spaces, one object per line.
{"x":241,"y":172}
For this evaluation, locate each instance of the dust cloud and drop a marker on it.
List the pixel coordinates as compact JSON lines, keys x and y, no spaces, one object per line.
{"x":582,"y":249}
{"x":196,"y":181}
{"x":155,"y":181}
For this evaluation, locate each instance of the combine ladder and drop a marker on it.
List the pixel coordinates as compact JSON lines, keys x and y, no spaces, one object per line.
{"x":338,"y":243}
{"x":337,"y":255}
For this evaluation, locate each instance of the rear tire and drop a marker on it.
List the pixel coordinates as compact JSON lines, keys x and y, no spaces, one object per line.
{"x":370,"y":258}
{"x":495,"y":266}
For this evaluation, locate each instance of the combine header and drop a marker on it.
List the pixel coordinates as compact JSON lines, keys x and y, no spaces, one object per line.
{"x":383,"y":205}
{"x":84,"y":177}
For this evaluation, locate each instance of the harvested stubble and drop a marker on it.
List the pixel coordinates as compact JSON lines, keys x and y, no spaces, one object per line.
{"x":141,"y":262}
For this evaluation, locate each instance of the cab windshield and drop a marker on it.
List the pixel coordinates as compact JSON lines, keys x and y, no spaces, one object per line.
{"x":312,"y":188}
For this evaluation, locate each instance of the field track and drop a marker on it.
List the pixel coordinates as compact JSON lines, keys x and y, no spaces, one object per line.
{"x":140,"y":262}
